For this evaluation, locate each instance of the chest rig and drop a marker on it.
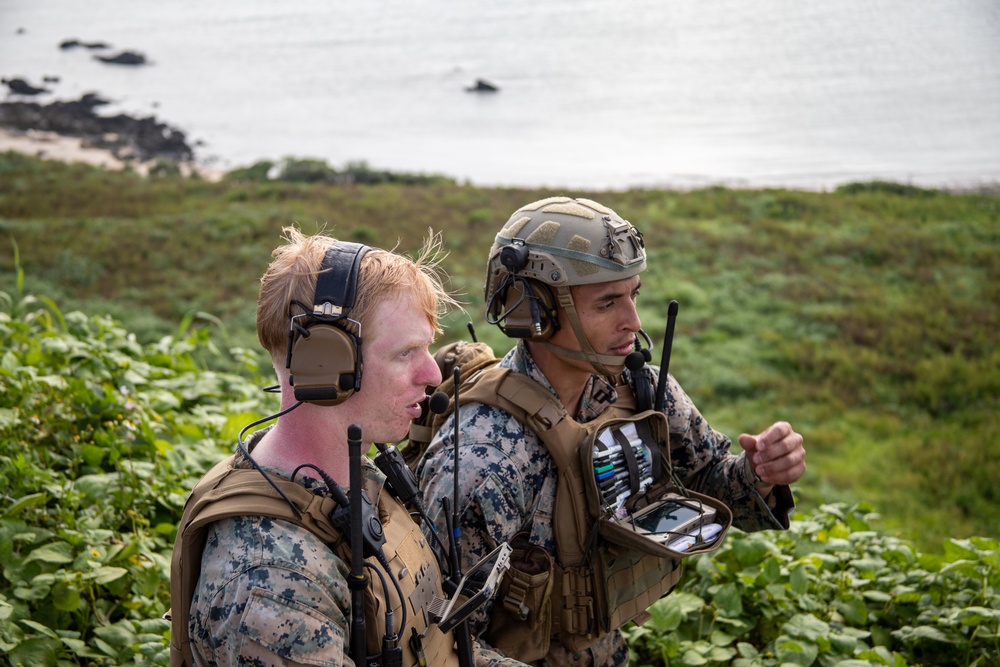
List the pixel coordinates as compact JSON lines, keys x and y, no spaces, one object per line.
{"x":227,"y":492}
{"x":602,"y":575}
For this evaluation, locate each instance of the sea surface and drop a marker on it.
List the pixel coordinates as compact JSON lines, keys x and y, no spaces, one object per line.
{"x":593,"y":94}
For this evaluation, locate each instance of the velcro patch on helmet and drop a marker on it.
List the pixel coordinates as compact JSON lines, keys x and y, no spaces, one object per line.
{"x":580,"y":244}
{"x":511,"y":230}
{"x":571,"y":208}
{"x":545,"y":234}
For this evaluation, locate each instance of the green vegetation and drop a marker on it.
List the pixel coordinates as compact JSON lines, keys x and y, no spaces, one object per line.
{"x":101,"y":440}
{"x":829,"y":591}
{"x":867,"y":317}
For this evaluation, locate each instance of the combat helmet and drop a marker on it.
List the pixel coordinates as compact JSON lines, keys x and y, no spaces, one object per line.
{"x":544,"y":249}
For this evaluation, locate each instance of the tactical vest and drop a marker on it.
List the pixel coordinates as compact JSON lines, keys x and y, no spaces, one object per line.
{"x":601,"y":577}
{"x":228,"y":492}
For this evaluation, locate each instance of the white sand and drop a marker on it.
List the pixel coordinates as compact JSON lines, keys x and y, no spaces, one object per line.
{"x":52,"y":146}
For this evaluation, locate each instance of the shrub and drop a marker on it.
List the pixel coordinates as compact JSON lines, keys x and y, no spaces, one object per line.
{"x":101,"y":439}
{"x":829,"y":591}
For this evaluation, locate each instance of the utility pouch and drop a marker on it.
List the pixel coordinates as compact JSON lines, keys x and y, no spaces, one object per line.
{"x":646,"y":521}
{"x":521,"y":616}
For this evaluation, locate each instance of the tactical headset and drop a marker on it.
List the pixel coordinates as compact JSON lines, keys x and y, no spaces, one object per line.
{"x":325,"y":357}
{"x":522,"y":307}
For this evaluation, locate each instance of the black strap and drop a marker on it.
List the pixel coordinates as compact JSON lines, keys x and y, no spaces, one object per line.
{"x":633,"y":466}
{"x":338,"y":279}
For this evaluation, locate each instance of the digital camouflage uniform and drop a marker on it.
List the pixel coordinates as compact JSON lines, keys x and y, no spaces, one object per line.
{"x":271,"y":593}
{"x":507,"y":483}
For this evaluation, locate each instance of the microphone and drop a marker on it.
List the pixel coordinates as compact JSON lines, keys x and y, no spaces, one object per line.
{"x":635,"y":360}
{"x":438,"y":402}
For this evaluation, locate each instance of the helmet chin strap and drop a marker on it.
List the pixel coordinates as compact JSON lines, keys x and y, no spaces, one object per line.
{"x":600,"y":362}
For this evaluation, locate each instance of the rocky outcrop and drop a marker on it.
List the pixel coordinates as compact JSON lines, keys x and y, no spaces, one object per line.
{"x":73,"y":43}
{"x":22,"y":87}
{"x":125,"y":137}
{"x":124,"y":58}
{"x":482,"y":87}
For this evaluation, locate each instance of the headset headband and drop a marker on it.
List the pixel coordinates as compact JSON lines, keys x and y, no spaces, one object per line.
{"x":337,"y":284}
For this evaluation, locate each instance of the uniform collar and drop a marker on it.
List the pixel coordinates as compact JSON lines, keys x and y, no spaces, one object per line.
{"x":597,"y":396}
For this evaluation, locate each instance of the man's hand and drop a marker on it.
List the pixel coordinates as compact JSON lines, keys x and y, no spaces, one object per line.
{"x":776,"y":454}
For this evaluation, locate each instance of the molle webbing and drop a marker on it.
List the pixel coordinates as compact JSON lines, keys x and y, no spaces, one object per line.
{"x":586,"y":579}
{"x":227,"y":492}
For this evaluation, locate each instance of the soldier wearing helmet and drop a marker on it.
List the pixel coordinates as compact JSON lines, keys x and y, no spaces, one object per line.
{"x":563,"y":277}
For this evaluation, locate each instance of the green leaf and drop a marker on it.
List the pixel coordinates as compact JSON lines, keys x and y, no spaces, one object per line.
{"x":720,"y":638}
{"x":106,"y":574}
{"x":772,"y":569}
{"x":923,"y":632}
{"x":5,"y":610}
{"x":877,"y":596}
{"x":35,"y":652}
{"x":80,"y":648}
{"x":854,"y":610}
{"x":729,"y":599}
{"x":39,"y":628}
{"x":8,"y":417}
{"x":806,"y":626}
{"x":31,"y":500}
{"x":799,"y":579}
{"x":54,"y":552}
{"x":692,"y":657}
{"x":65,"y":597}
{"x":794,"y":652}
{"x":92,"y":454}
{"x":119,"y":635}
{"x":978,"y":615}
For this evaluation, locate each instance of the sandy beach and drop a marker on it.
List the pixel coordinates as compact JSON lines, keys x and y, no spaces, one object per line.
{"x":53,"y":146}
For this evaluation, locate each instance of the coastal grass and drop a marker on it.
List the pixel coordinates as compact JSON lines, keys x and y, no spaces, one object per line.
{"x":867,"y":317}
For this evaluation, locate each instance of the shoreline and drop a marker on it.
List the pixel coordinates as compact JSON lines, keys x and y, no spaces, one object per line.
{"x":73,"y":131}
{"x":49,"y":145}
{"x":98,"y":151}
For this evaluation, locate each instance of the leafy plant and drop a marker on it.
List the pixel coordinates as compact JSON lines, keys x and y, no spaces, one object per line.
{"x":829,"y":591}
{"x":101,"y":439}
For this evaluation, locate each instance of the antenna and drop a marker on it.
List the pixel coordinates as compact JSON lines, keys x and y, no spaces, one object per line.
{"x":357,"y":581}
{"x":668,"y":342}
{"x":463,"y":639}
{"x":454,"y":494}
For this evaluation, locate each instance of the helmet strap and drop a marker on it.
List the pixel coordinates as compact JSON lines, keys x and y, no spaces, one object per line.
{"x":600,"y":362}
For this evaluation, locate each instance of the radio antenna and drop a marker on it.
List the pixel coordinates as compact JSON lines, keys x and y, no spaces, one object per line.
{"x":668,"y":342}
{"x":357,"y":581}
{"x":463,"y":639}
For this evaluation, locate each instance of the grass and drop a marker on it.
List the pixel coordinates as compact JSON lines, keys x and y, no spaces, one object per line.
{"x":867,"y":317}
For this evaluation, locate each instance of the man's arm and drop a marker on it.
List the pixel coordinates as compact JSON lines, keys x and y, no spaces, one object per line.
{"x":269,"y":592}
{"x":702,"y":458}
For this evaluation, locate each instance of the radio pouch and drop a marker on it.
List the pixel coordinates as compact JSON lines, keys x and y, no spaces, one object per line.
{"x":521,"y":618}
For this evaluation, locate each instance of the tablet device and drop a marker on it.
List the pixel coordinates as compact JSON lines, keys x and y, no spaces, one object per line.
{"x":671,"y":518}
{"x":476,"y":588}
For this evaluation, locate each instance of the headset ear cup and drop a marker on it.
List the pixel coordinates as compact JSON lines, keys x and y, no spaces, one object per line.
{"x":324,"y":366}
{"x":530,"y":311}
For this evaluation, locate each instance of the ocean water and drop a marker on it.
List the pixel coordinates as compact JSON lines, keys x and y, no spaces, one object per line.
{"x":593,"y":93}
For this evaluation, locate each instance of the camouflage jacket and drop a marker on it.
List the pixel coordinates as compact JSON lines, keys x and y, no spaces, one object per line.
{"x":272,"y":593}
{"x":507,"y":482}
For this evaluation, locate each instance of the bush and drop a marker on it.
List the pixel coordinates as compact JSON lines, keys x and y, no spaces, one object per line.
{"x":101,"y":439}
{"x":829,"y":591}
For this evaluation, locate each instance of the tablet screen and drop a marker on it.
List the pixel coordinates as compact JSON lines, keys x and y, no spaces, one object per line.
{"x":666,"y":518}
